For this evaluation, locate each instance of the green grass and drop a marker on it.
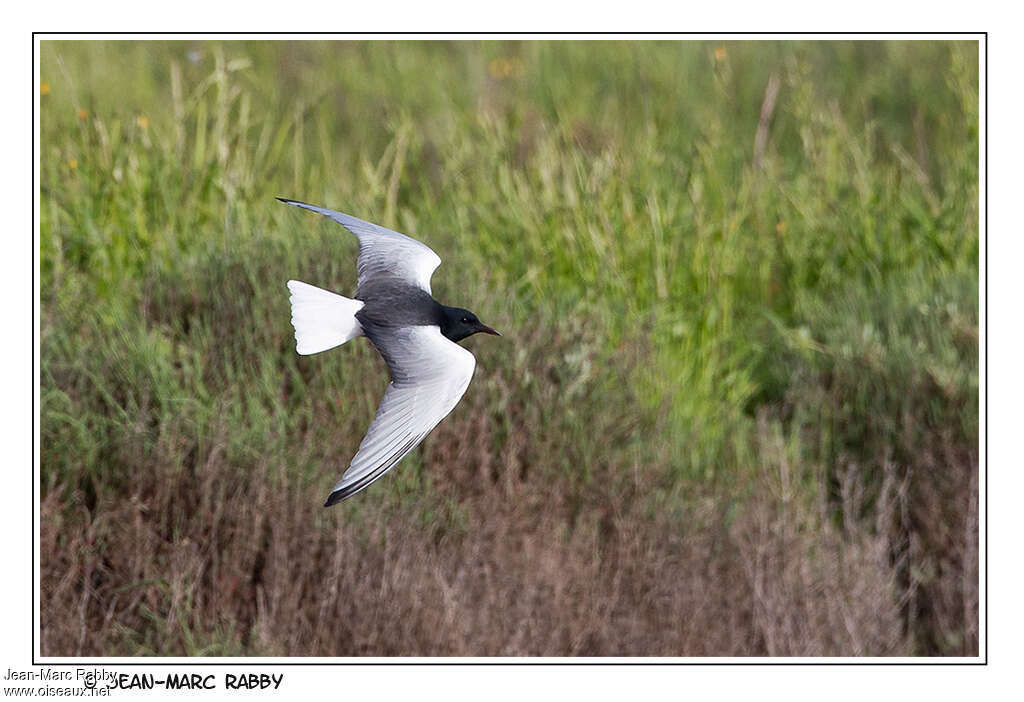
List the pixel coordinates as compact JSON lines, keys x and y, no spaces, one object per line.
{"x":606,"y":192}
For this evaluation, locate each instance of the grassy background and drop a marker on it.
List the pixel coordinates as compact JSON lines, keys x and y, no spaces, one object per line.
{"x":735,"y":411}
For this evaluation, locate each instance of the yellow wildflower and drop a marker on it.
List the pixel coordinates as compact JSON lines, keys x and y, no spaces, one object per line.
{"x":720,"y":53}
{"x":498,"y":68}
{"x":44,"y":88}
{"x":504,"y":68}
{"x":82,"y":114}
{"x":73,"y":163}
{"x":142,"y":121}
{"x":781,"y":227}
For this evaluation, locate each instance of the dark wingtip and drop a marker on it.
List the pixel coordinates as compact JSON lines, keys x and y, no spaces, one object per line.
{"x":284,"y":199}
{"x":334,"y":498}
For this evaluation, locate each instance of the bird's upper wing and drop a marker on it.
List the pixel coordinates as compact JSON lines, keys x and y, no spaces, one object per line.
{"x":382,"y":252}
{"x":429,"y":376}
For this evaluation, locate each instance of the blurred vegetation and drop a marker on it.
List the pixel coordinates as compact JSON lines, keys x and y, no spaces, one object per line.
{"x":695,"y":250}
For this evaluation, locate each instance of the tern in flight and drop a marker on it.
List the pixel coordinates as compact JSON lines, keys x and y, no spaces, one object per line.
{"x":416,"y":335}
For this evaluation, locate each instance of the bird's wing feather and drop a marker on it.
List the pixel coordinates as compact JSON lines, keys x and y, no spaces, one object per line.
{"x":429,"y":376}
{"x":383,"y":253}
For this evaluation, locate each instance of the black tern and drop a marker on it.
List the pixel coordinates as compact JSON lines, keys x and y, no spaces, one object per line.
{"x":395,"y":309}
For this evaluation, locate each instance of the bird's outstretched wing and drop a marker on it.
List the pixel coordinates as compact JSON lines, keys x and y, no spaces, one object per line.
{"x":429,"y":376}
{"x":383,"y":253}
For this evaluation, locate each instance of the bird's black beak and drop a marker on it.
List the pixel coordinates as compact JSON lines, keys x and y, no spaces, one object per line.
{"x":487,"y":330}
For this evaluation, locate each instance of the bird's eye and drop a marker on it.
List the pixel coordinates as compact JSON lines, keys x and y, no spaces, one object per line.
{"x":465,"y":320}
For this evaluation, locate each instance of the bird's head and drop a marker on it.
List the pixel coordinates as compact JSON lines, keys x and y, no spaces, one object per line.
{"x":457,"y":324}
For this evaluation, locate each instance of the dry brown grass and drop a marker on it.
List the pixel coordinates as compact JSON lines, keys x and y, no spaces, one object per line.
{"x":496,"y":553}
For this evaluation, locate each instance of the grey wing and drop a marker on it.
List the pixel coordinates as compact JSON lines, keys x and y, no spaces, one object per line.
{"x":430,"y":374}
{"x":383,"y":253}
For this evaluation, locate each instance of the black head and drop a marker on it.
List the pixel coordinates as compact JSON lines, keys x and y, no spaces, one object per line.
{"x":457,"y":324}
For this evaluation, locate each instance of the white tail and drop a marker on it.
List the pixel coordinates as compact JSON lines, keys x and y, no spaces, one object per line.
{"x":322,"y":319}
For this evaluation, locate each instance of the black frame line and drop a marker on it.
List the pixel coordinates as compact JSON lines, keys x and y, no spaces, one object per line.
{"x":982,"y":38}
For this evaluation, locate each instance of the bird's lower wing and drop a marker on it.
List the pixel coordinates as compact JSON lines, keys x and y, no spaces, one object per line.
{"x":429,"y":376}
